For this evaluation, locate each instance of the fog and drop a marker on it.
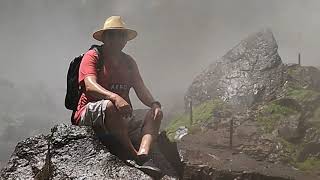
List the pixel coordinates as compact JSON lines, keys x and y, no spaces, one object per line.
{"x":176,"y":40}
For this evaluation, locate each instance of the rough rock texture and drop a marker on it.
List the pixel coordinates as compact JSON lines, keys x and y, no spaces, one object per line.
{"x":74,"y":154}
{"x":249,"y":73}
{"x":71,"y":152}
{"x":27,"y":160}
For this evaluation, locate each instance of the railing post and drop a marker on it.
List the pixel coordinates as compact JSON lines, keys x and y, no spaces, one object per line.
{"x":231,"y":132}
{"x":190,"y":108}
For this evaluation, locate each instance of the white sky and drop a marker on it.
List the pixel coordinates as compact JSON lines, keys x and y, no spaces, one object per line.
{"x":177,"y":38}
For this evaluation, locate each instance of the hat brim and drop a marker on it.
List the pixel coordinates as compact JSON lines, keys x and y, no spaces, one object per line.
{"x":131,"y":34}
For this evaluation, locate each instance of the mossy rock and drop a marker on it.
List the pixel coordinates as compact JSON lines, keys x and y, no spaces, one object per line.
{"x":203,"y":113}
{"x":290,"y":155}
{"x":272,"y":114}
{"x":294,"y":70}
{"x":302,"y":95}
{"x":310,"y":165}
{"x":296,"y":101}
{"x":309,"y":101}
{"x":290,"y":151}
{"x":315,"y":120}
{"x":307,"y":77}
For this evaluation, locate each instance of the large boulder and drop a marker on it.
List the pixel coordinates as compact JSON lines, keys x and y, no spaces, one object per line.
{"x":249,"y":73}
{"x":74,"y":153}
{"x":70,"y":152}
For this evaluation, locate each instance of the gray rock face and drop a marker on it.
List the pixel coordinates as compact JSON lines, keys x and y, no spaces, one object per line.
{"x":249,"y":73}
{"x":75,"y":153}
{"x":306,"y":77}
{"x":86,"y":160}
{"x":27,"y":159}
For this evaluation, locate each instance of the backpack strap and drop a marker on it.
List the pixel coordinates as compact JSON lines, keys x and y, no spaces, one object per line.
{"x":98,"y":49}
{"x":100,"y":63}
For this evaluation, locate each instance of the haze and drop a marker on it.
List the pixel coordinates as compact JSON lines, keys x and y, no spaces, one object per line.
{"x":176,"y":40}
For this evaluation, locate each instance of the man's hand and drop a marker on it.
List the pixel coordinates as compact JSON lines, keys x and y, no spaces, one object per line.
{"x":157,"y":112}
{"x":122,"y":105}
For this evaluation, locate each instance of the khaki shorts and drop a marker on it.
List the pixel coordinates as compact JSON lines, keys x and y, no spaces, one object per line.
{"x":95,"y":116}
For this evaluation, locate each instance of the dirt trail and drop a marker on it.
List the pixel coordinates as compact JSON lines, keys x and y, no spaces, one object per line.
{"x":212,"y":149}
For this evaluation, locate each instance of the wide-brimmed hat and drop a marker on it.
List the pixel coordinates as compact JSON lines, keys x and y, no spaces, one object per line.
{"x":114,"y":23}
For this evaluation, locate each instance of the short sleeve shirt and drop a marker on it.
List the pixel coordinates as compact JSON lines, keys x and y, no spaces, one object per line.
{"x":118,"y":80}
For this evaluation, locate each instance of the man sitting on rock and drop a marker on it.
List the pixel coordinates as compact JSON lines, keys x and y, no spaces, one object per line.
{"x":104,"y":103}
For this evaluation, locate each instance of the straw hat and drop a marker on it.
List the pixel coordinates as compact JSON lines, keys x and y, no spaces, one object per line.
{"x":114,"y":22}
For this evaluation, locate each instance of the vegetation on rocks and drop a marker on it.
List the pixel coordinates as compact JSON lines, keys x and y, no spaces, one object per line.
{"x":201,"y":114}
{"x":291,"y":155}
{"x":315,"y":120}
{"x":302,"y":95}
{"x":290,"y":152}
{"x":309,"y":165}
{"x":293,"y":71}
{"x":272,"y":114}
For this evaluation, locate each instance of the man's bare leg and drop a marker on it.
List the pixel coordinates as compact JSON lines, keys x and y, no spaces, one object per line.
{"x":118,"y":126}
{"x":150,"y":132}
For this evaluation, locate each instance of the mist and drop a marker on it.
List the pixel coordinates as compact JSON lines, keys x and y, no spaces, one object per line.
{"x":176,"y":40}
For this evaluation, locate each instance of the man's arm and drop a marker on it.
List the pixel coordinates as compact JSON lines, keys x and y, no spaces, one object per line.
{"x":144,"y":94}
{"x":88,"y":79}
{"x":140,"y":88}
{"x":96,"y":90}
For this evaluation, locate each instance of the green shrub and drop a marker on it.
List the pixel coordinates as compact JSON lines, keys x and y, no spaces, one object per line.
{"x":201,"y":113}
{"x":271,"y":114}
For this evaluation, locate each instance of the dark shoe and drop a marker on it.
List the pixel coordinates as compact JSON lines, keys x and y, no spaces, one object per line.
{"x":142,"y":158}
{"x":147,"y":165}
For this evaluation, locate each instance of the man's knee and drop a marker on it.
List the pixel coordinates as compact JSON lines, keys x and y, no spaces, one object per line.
{"x":150,"y":116}
{"x":111,"y":108}
{"x":114,"y":117}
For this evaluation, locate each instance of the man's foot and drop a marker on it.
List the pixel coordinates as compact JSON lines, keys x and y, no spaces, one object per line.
{"x":147,"y":165}
{"x":142,"y":158}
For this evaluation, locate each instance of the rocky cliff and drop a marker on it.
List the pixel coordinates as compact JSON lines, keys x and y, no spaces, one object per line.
{"x":249,"y":73}
{"x":274,"y":109}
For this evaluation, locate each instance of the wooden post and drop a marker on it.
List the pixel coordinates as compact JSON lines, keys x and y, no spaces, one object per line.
{"x":231,"y":132}
{"x":190,"y":106}
{"x":299,"y":59}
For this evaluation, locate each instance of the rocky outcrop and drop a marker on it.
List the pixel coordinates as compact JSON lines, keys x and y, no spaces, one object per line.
{"x":249,"y":73}
{"x":274,"y":109}
{"x":72,"y":152}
